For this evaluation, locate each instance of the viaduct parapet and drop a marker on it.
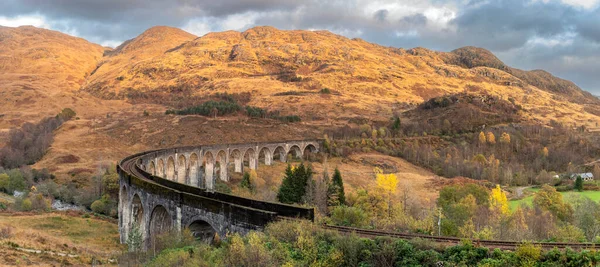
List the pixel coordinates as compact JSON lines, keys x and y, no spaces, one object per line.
{"x":173,"y":189}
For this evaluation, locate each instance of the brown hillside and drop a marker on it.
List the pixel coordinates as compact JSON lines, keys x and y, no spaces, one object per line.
{"x":285,"y":70}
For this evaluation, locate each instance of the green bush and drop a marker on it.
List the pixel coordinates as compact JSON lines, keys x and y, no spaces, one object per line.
{"x":325,"y":91}
{"x":98,"y":206}
{"x":26,"y":205}
{"x":208,"y":109}
{"x":255,"y":112}
{"x":349,"y":216}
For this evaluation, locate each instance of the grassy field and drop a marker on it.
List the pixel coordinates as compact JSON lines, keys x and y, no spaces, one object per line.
{"x":43,"y":239}
{"x":593,"y":195}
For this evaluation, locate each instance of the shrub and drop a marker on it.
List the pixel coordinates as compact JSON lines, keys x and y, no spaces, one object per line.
{"x":98,"y":207}
{"x":209,"y":108}
{"x":325,"y":91}
{"x":26,"y":205}
{"x":349,"y":216}
{"x":255,"y":112}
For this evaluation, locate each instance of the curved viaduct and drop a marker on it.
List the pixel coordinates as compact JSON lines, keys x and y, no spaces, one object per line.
{"x":172,"y":189}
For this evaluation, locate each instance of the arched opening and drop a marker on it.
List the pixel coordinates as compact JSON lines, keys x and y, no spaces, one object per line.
{"x":265,"y":156}
{"x":152,"y":168}
{"x":221,"y":166}
{"x":181,"y":170}
{"x":160,"y":223}
{"x":309,"y":152}
{"x":250,"y":158}
{"x":294,"y":152}
{"x":208,"y":162}
{"x":161,"y":169}
{"x":193,"y":170}
{"x":236,"y":155}
{"x":202,"y":231}
{"x":279,"y":154}
{"x":171,"y":169}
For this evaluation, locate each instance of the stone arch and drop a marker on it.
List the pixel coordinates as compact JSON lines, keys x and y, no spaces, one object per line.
{"x":181,"y":169}
{"x":295,"y":152}
{"x":221,"y":165}
{"x":161,"y":168}
{"x":265,"y":155}
{"x":170,"y":168}
{"x":152,"y":168}
{"x":309,"y":151}
{"x":193,"y":170}
{"x":279,"y":154}
{"x":202,"y":230}
{"x":208,"y":161}
{"x":160,"y":223}
{"x":236,"y":155}
{"x":250,"y":158}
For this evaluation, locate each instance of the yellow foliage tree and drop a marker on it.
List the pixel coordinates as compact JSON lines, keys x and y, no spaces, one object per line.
{"x":482,"y":139}
{"x":491,"y":138}
{"x":545,"y":152}
{"x":499,"y":201}
{"x":388,"y":183}
{"x":505,"y":138}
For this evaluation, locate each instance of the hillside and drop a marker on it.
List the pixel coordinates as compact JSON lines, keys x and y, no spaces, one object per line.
{"x":285,"y":70}
{"x":43,"y":71}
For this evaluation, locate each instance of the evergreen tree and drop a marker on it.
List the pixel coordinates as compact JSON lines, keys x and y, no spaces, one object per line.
{"x":246,"y":182}
{"x":579,"y":184}
{"x":336,"y":189}
{"x":293,"y":186}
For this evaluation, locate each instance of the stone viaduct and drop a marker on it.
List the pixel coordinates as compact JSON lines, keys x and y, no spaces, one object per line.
{"x":171,"y":189}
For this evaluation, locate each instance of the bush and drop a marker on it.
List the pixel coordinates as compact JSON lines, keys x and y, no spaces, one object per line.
{"x":349,"y":216}
{"x":325,"y":91}
{"x":255,"y":112}
{"x":26,"y":205}
{"x":209,"y":108}
{"x":98,"y":207}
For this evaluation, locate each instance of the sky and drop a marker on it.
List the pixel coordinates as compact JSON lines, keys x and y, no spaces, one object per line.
{"x":560,"y":36}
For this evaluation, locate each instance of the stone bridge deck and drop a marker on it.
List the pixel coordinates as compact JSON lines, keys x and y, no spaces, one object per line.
{"x":156,"y":200}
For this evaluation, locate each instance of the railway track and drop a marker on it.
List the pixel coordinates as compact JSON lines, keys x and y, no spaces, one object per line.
{"x":453,"y":240}
{"x":129,"y":165}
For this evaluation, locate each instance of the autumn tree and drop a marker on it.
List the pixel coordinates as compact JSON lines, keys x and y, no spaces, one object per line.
{"x":544,"y":152}
{"x":491,"y":138}
{"x":505,"y":138}
{"x":482,"y":139}
{"x":551,"y":200}
{"x":499,"y":201}
{"x":388,"y":184}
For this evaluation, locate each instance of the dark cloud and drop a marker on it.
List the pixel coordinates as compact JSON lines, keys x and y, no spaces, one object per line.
{"x":531,"y":34}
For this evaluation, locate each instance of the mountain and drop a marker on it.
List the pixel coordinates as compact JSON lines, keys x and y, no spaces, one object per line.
{"x":284,"y":71}
{"x":326,"y":79}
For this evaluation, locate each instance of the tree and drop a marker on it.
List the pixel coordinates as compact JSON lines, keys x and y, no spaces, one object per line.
{"x":482,"y":139}
{"x":491,"y":138}
{"x":551,"y":200}
{"x":505,"y":138}
{"x":545,"y":152}
{"x":134,"y":239}
{"x":388,"y":183}
{"x":4,"y":182}
{"x":397,"y":124}
{"x":336,"y":194}
{"x":498,"y":201}
{"x":247,"y":182}
{"x":578,"y":184}
{"x":293,"y":186}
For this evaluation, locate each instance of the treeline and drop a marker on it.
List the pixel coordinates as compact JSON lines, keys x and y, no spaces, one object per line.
{"x":306,"y":244}
{"x":28,"y":144}
{"x":228,"y":104}
{"x":515,"y":155}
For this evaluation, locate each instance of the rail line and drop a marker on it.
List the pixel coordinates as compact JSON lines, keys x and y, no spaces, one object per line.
{"x":454,"y":240}
{"x":129,"y":165}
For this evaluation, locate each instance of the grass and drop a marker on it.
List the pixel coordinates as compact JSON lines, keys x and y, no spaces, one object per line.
{"x":58,"y":232}
{"x":513,"y":204}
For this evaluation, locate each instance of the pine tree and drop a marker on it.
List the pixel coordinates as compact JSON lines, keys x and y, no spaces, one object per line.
{"x":336,"y":190}
{"x":579,"y":184}
{"x":247,"y":182}
{"x":293,"y":186}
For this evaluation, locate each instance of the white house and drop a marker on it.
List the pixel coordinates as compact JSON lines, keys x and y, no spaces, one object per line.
{"x":587,"y":176}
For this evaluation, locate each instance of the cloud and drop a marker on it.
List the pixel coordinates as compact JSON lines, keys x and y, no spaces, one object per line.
{"x":561,"y":36}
